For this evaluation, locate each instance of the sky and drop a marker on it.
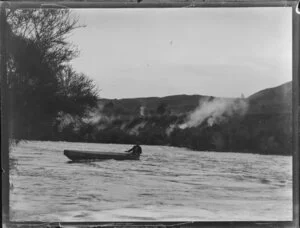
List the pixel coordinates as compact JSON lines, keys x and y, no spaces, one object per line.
{"x":223,"y":52}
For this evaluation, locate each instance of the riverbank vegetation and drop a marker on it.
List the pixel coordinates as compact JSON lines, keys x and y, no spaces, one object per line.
{"x":261,"y":123}
{"x":255,"y":133}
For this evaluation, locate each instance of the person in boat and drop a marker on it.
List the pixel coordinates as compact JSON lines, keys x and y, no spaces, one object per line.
{"x":135,"y":150}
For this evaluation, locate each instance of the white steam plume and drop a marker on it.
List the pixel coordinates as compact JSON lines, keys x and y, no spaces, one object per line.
{"x":136,"y":129}
{"x":170,"y":129}
{"x":96,"y":115}
{"x":215,"y":111}
{"x":142,"y":111}
{"x":64,"y":120}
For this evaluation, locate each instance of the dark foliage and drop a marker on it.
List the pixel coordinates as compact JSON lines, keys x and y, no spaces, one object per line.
{"x":249,"y":134}
{"x":41,"y":84}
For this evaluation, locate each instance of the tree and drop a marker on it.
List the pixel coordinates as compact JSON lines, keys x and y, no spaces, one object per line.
{"x":41,"y":81}
{"x":76,"y":92}
{"x":31,"y":87}
{"x":48,"y":29}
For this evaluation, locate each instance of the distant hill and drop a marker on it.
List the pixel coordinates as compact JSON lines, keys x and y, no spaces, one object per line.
{"x":176,"y":104}
{"x":276,"y":100}
{"x":272,"y":100}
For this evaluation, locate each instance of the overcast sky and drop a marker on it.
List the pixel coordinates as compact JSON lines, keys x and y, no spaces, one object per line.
{"x":159,"y":52}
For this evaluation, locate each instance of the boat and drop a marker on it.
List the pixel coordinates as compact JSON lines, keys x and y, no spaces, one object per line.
{"x":77,"y":155}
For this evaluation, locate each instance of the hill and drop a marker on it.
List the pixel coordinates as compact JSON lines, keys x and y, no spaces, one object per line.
{"x":176,"y":104}
{"x":276,"y":100}
{"x":173,"y":105}
{"x":272,"y":100}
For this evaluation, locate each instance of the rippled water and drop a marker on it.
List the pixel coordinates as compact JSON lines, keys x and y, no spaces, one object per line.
{"x":167,"y":184}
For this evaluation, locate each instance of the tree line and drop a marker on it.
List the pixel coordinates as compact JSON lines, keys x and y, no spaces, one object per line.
{"x":253,"y":133}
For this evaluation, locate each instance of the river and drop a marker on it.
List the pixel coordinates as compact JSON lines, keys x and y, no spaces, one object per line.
{"x":167,"y":184}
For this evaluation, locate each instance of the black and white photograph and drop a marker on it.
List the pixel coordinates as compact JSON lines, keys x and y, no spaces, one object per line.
{"x":150,"y":114}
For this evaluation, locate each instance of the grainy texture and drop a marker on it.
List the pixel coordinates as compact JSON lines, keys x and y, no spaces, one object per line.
{"x":151,"y":3}
{"x":215,"y":3}
{"x":167,"y":184}
{"x":4,"y":118}
{"x":296,"y":105}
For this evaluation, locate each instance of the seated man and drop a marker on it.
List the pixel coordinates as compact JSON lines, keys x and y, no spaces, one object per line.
{"x":136,"y":150}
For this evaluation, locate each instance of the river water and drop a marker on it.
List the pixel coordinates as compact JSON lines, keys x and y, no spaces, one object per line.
{"x":167,"y":184}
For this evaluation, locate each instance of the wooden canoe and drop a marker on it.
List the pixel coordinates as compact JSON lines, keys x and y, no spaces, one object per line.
{"x":77,"y":155}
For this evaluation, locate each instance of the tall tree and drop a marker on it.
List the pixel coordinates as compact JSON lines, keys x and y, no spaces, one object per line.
{"x":41,"y":82}
{"x":49,"y":30}
{"x":76,"y":92}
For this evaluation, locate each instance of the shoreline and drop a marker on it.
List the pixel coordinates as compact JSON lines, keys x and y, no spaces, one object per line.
{"x":186,"y":148}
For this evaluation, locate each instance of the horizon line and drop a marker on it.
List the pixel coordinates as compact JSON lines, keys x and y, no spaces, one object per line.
{"x":203,"y":95}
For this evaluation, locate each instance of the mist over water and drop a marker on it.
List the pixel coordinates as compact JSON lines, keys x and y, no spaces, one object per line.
{"x":167,"y":184}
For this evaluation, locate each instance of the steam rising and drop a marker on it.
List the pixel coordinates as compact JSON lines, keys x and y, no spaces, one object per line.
{"x":142,"y":111}
{"x":214,"y":112}
{"x":95,"y":115}
{"x":64,"y":120}
{"x":170,"y":129}
{"x":209,"y":112}
{"x":136,"y":129}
